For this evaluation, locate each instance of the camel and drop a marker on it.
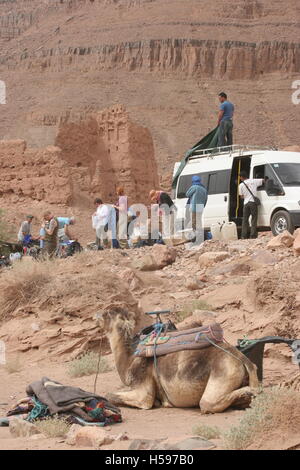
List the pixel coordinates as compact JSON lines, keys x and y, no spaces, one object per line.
{"x":209,"y":378}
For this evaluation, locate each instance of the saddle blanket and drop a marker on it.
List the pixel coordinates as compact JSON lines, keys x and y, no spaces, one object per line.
{"x":169,"y":342}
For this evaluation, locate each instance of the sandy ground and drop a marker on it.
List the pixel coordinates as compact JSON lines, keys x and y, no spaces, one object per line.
{"x":138,"y":424}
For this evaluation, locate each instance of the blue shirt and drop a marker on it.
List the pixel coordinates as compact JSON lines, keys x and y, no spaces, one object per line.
{"x":198,"y":197}
{"x":228,"y":109}
{"x":62,"y":221}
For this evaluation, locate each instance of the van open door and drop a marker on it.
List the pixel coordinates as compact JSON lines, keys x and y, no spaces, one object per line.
{"x":236,"y":204}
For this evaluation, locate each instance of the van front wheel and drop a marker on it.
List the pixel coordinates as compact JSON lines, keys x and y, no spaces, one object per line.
{"x":280,"y":222}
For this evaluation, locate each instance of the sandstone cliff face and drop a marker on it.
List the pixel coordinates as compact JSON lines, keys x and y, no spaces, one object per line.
{"x":165,"y":60}
{"x":186,"y":57}
{"x":91,"y":158}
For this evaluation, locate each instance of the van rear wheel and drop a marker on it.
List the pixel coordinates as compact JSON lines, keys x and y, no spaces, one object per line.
{"x":280,"y":222}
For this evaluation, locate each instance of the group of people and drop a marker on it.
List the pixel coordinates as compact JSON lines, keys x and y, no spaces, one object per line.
{"x":53,"y":230}
{"x":113,"y":221}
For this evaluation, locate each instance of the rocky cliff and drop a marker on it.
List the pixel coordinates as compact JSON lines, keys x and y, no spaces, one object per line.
{"x":91,"y":158}
{"x":165,"y":60}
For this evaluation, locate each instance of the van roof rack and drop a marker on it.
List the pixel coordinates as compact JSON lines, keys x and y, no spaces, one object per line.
{"x":231,"y":149}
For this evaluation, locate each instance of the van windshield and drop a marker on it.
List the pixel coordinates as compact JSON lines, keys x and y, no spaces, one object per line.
{"x":289,"y":173}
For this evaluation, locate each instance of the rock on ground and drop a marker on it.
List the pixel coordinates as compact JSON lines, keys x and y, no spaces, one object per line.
{"x":88,"y":436}
{"x":20,"y":428}
{"x":212,"y":257}
{"x":159,"y":257}
{"x":285,"y":239}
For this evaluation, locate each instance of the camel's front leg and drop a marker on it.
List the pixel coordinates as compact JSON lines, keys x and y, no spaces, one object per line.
{"x":142,"y":397}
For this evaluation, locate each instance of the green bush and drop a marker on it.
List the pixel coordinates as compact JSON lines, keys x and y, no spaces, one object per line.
{"x":207,"y":432}
{"x":5,"y":231}
{"x":88,"y":365}
{"x":53,"y":427}
{"x":273,"y":410}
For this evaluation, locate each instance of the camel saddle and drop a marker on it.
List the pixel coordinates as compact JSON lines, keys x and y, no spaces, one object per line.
{"x":156,"y":344}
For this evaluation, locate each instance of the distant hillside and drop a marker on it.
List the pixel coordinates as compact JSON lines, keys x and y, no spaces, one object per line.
{"x":165,"y":60}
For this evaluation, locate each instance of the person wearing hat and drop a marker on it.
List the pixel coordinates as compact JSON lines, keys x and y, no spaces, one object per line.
{"x":25,"y":229}
{"x":197,"y":195}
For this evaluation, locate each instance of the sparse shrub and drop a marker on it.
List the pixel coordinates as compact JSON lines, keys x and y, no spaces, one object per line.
{"x":190,"y":308}
{"x":207,"y":432}
{"x":53,"y":426}
{"x":88,"y":365}
{"x":273,"y":411}
{"x":20,"y":285}
{"x":5,"y":231}
{"x":13,"y":365}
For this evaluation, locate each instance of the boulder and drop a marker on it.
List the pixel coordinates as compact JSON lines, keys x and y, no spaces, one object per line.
{"x":88,"y":437}
{"x":163,"y":255}
{"x":191,"y":443}
{"x":146,"y":263}
{"x":264,"y":257}
{"x":284,"y":240}
{"x":146,"y":444}
{"x":232,"y":269}
{"x":211,"y":257}
{"x":18,"y":427}
{"x":194,"y":284}
{"x":159,"y":257}
{"x":296,"y":244}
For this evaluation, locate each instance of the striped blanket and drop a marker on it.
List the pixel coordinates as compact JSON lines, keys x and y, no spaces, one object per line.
{"x":169,"y":342}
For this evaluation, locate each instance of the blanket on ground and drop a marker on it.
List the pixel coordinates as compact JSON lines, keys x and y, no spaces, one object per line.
{"x":169,"y":342}
{"x":64,"y":399}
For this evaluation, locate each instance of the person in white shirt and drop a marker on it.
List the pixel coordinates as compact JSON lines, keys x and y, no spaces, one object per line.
{"x":25,"y":229}
{"x":248,"y":192}
{"x":100,"y":223}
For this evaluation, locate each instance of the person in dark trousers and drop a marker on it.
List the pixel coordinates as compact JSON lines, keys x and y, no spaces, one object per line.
{"x":248,"y":192}
{"x":168,"y":211}
{"x":225,"y":121}
{"x":197,"y":199}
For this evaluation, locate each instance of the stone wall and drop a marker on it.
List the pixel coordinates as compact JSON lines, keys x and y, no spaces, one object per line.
{"x":91,"y":158}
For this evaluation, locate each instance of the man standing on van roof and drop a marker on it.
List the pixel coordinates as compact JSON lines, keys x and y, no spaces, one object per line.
{"x":248,"y":191}
{"x":225,"y":121}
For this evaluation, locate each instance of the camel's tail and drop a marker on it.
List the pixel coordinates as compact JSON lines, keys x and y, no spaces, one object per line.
{"x":250,"y":367}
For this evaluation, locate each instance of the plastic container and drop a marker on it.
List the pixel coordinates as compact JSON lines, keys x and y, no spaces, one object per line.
{"x":229,"y":231}
{"x":216,"y":231}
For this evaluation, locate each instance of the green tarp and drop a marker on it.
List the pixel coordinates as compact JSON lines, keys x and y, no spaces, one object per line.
{"x":208,"y":142}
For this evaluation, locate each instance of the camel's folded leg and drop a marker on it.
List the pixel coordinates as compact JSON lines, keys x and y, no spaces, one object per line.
{"x":142,"y":398}
{"x":217,"y":403}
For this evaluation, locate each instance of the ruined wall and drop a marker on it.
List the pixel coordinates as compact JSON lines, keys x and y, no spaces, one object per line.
{"x":107,"y":150}
{"x":36,"y":174}
{"x":91,"y":158}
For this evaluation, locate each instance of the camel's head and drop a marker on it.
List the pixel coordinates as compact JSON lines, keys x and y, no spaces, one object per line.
{"x":117,"y":319}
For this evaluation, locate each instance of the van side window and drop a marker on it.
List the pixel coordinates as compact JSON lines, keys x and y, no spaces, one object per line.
{"x":272,"y":185}
{"x":215,"y":183}
{"x":185,"y":182}
{"x":219,"y":182}
{"x":259,"y":173}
